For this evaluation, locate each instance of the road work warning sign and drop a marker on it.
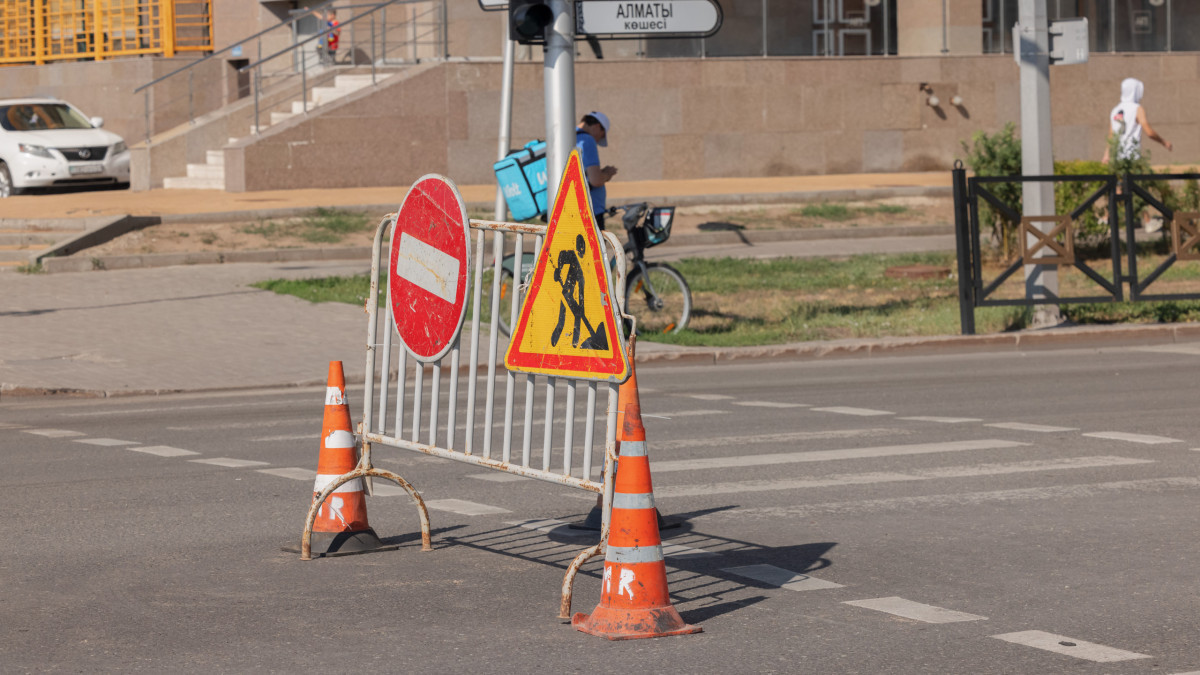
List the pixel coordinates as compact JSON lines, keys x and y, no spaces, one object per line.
{"x":568,"y":325}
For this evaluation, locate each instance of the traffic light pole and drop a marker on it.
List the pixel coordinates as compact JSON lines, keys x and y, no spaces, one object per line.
{"x":559,"y":78}
{"x":506,"y":98}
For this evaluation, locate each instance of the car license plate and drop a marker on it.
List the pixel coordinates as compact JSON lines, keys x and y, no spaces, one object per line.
{"x":86,"y":168}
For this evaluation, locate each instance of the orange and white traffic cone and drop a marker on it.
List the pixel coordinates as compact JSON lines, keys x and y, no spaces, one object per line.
{"x":641,"y":605}
{"x":341,"y":524}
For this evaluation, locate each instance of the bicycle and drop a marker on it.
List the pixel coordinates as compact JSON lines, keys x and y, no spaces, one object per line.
{"x":656,"y":294}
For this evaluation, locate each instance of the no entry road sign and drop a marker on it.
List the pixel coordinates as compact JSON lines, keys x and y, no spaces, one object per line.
{"x":616,"y":19}
{"x":430,"y":260}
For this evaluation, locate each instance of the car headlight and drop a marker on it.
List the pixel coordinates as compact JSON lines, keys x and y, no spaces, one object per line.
{"x":119,"y":148}
{"x":35,"y":150}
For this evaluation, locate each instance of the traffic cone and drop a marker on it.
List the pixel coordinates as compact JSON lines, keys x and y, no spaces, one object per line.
{"x":633,"y":562}
{"x":341,"y":524}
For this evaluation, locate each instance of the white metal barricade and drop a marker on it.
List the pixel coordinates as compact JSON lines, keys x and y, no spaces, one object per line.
{"x":426,"y":409}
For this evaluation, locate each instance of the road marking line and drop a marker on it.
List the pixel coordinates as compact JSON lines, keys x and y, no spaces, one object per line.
{"x":961,"y":499}
{"x":832,"y":455}
{"x":229,"y":462}
{"x":172,"y":409}
{"x":707,"y":397}
{"x":770,"y":404}
{"x":105,"y":442}
{"x":943,"y":420}
{"x":54,"y":433}
{"x":1144,"y":439}
{"x":164,"y":451}
{"x":841,"y":480}
{"x":687,"y":413}
{"x":550,"y":526}
{"x":11,"y":425}
{"x":315,"y":438}
{"x":786,"y":437}
{"x":293,"y":472}
{"x":685,"y":552}
{"x":915,"y":610}
{"x":297,"y":421}
{"x":1021,"y":426}
{"x":463,"y":507}
{"x":861,"y":412}
{"x":497,"y":477}
{"x":1060,"y":644}
{"x":781,"y":578}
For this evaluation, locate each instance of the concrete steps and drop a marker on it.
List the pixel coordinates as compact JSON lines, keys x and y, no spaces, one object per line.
{"x":211,"y":174}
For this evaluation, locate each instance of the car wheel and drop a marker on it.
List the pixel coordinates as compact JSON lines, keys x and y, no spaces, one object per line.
{"x":6,"y":186}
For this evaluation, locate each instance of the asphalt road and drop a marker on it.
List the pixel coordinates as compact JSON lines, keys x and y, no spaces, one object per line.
{"x":983,"y":513}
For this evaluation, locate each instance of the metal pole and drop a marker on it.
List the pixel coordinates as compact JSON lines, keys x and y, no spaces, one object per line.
{"x":505,"y":137}
{"x":945,"y":27}
{"x":1041,"y":281}
{"x":373,"y":52}
{"x":764,"y":28}
{"x":962,"y":232}
{"x":559,"y":78}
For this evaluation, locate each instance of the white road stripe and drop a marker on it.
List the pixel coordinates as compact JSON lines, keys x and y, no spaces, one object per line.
{"x":164,"y":451}
{"x":105,"y":442}
{"x":688,"y":413}
{"x":550,"y":526}
{"x":781,"y":578}
{"x":915,"y":610}
{"x":293,"y":472}
{"x":770,"y":404}
{"x":173,"y":409}
{"x":707,"y":397}
{"x":386,"y":488}
{"x":497,"y":477}
{"x":685,"y":552}
{"x":1060,"y":644}
{"x":943,"y":420}
{"x":787,"y":437}
{"x":315,"y":438}
{"x":997,"y":469}
{"x":259,"y":424}
{"x":463,"y":507}
{"x":832,"y":455}
{"x":54,"y":433}
{"x":1021,"y":426}
{"x":229,"y":462}
{"x":861,"y":412}
{"x":11,"y":425}
{"x":1144,"y":439}
{"x":947,"y":501}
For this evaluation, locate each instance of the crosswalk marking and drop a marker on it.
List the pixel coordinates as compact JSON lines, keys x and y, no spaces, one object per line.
{"x":781,"y":578}
{"x":786,"y":437}
{"x":174,"y":409}
{"x":105,"y":442}
{"x":293,"y":472}
{"x":315,"y":438}
{"x":229,"y":462}
{"x":770,"y":404}
{"x":996,"y":469}
{"x":945,"y":501}
{"x":1144,"y":439}
{"x":497,"y":477}
{"x":915,"y":610}
{"x":463,"y":507}
{"x":943,"y":420}
{"x":831,"y":455}
{"x":1060,"y":644}
{"x":550,"y":526}
{"x":861,"y":412}
{"x":684,"y":552}
{"x":54,"y":433}
{"x":257,"y":424}
{"x":707,"y":397}
{"x":1021,"y":426}
{"x":164,"y":451}
{"x":386,"y":488}
{"x":687,"y":413}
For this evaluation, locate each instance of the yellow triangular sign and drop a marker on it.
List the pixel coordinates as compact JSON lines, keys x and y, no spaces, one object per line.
{"x":568,"y":325}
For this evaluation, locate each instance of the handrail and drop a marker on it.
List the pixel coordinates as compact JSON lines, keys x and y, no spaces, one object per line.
{"x":296,"y":45}
{"x":244,"y":40}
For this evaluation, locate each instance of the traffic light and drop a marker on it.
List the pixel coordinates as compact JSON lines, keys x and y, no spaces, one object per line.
{"x":527,"y":21}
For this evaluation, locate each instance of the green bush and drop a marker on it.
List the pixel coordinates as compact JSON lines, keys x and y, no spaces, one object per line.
{"x":1070,"y":195}
{"x":998,"y":155}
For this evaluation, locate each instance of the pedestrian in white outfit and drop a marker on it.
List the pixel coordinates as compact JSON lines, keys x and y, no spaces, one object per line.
{"x":1127,"y":121}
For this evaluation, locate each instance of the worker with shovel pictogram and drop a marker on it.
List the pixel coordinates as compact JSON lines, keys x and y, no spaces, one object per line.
{"x":569,"y":273}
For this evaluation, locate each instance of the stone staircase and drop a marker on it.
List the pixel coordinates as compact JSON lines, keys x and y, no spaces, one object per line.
{"x":20,"y":243}
{"x":211,"y":174}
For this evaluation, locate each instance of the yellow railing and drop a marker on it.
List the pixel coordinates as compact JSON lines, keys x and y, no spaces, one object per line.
{"x":40,"y":31}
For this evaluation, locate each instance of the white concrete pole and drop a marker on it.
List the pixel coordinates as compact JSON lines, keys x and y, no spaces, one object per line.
{"x":506,"y":98}
{"x":1037,"y":158}
{"x":559,"y":77}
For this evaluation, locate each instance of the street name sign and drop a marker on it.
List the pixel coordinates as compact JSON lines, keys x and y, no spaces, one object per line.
{"x":430,"y":260}
{"x":619,"y":19}
{"x":568,"y":325}
{"x":493,"y":5}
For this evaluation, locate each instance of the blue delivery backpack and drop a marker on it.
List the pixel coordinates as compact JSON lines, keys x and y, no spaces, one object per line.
{"x":522,"y":177}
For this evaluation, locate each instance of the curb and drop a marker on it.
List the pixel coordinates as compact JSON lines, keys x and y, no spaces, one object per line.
{"x":660,"y":356}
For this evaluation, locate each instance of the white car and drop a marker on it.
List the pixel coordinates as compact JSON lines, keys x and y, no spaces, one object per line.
{"x":47,"y":142}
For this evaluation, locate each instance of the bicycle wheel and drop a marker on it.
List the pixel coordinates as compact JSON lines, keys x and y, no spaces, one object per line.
{"x":660,"y":299}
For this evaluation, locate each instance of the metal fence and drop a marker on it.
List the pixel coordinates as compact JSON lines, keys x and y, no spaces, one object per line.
{"x":1107,"y":255}
{"x":41,"y":31}
{"x":469,"y":408}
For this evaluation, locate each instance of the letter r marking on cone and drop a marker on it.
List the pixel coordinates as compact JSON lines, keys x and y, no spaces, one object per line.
{"x":627,"y":578}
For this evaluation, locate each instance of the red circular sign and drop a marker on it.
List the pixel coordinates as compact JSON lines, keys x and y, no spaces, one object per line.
{"x":430,"y":261}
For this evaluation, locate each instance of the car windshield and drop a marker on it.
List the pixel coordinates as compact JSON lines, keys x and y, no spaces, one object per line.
{"x":41,"y":116}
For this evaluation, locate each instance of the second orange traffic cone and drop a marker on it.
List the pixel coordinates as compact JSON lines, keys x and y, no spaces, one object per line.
{"x":634,"y":600}
{"x":341,"y":525}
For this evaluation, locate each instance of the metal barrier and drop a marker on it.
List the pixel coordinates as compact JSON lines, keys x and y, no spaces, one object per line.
{"x":408,"y":413}
{"x":1130,"y":193}
{"x":40,"y":31}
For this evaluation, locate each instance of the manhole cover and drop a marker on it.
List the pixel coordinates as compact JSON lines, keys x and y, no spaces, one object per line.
{"x":917,"y":272}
